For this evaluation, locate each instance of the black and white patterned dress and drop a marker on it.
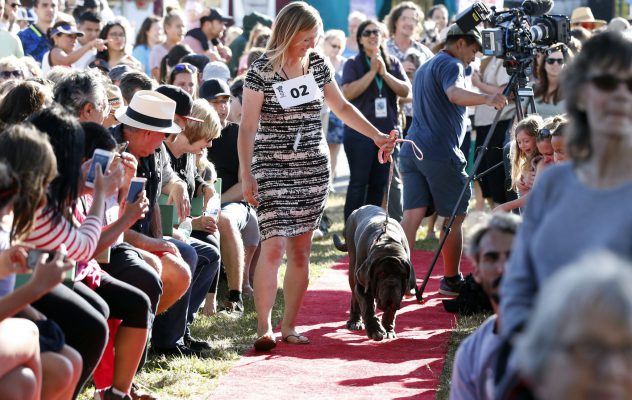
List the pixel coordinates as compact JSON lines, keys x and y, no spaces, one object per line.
{"x":293,"y":185}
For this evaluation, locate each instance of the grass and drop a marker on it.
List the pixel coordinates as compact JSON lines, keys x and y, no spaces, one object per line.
{"x":194,"y":378}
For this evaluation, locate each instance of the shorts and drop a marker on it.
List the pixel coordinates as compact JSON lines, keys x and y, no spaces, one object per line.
{"x":432,"y":183}
{"x":335,"y":133}
{"x":246,"y":219}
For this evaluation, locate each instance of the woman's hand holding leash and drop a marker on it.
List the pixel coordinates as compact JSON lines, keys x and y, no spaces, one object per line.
{"x":384,"y":154}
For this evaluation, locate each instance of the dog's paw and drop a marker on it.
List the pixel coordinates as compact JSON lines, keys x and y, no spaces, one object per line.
{"x":390,"y":335}
{"x":354,"y":325}
{"x":375,"y":330}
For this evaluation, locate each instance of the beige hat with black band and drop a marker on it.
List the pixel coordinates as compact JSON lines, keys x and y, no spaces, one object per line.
{"x":151,"y":111}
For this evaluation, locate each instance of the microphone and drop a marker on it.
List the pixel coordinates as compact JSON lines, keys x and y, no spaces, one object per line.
{"x":537,"y":7}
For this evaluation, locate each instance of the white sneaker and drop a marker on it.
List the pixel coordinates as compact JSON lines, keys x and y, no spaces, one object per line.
{"x":317,"y":234}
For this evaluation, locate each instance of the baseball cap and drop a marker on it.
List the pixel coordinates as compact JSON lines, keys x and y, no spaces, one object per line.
{"x":117,"y":72}
{"x":454,"y":30}
{"x":100,"y":64}
{"x":214,"y":88}
{"x":184,"y":102}
{"x":216,"y":14}
{"x":216,"y":69}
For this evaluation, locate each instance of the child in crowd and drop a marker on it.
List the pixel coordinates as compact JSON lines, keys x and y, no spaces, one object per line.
{"x":524,"y":156}
{"x":184,"y":76}
{"x":65,"y":52}
{"x":558,"y":143}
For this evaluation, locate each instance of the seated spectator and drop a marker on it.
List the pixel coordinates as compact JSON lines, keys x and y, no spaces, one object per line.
{"x":22,"y":101}
{"x":185,"y":76}
{"x":11,"y":69}
{"x":132,"y":82}
{"x":206,"y":39}
{"x":489,"y":248}
{"x":199,"y":61}
{"x":173,"y":57}
{"x":83,"y":94}
{"x":116,"y":73}
{"x":577,"y":343}
{"x":115,"y":101}
{"x":239,"y":230}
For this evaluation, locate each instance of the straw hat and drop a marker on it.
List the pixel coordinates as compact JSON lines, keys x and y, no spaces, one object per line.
{"x":151,"y":111}
{"x":584,"y":14}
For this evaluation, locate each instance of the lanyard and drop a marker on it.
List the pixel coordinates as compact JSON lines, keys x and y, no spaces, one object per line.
{"x":379,"y":81}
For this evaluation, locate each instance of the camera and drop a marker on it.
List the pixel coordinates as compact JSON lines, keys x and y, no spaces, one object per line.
{"x":517,"y":34}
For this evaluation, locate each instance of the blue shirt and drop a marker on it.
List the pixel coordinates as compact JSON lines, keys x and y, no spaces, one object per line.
{"x":34,"y":42}
{"x":438,"y":126}
{"x":141,"y":53}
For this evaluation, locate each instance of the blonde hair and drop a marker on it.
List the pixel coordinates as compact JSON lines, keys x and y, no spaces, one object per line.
{"x":520,"y":162}
{"x":294,"y":18}
{"x":209,"y":129}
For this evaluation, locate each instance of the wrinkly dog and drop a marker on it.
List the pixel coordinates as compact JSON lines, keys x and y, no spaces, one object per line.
{"x":380,"y":270}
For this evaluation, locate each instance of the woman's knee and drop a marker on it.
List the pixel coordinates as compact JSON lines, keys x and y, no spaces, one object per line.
{"x":18,"y":384}
{"x":273,"y":249}
{"x":74,"y":358}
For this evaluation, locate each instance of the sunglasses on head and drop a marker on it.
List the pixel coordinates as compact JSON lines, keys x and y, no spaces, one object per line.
{"x":369,"y":32}
{"x":552,"y":61}
{"x":184,"y":67}
{"x":610,"y":83}
{"x":544,"y":133}
{"x":9,"y":74}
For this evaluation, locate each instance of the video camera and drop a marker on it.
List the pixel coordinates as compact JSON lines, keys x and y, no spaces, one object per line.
{"x":517,"y":34}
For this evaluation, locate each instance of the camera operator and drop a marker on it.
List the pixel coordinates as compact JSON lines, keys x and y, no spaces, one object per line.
{"x":439,"y":121}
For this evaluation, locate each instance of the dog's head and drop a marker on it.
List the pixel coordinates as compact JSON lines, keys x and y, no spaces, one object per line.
{"x":385,"y":275}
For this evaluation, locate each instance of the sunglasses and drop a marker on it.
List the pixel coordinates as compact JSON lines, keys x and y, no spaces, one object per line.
{"x":610,"y":83}
{"x":369,"y":32}
{"x":9,"y":74}
{"x":544,"y":134}
{"x":185,"y":68}
{"x":552,"y":61}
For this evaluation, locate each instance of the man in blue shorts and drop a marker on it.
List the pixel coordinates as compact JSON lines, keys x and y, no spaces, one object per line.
{"x":440,"y":99}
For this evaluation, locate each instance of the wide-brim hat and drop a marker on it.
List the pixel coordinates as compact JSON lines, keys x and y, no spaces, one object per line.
{"x":151,"y":111}
{"x":585,"y":14}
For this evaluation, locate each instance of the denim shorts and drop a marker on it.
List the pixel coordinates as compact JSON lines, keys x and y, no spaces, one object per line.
{"x":432,"y":183}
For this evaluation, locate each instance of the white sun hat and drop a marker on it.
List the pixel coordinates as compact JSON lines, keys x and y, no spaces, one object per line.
{"x":151,"y":111}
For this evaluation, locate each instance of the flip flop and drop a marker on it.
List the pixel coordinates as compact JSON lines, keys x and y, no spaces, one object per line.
{"x":265,"y":343}
{"x":296,"y":339}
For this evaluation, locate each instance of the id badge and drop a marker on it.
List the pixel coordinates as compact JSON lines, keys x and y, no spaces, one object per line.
{"x":297,"y":91}
{"x":380,"y":108}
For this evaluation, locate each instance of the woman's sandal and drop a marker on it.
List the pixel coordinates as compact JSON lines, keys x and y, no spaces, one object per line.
{"x":296,"y":339}
{"x":265,"y":343}
{"x":137,"y":394}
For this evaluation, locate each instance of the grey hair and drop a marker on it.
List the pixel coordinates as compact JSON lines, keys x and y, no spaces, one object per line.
{"x":598,"y":284}
{"x":79,"y":88}
{"x":502,"y":222}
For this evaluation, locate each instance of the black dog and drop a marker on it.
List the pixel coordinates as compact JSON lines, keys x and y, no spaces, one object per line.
{"x":380,"y":270}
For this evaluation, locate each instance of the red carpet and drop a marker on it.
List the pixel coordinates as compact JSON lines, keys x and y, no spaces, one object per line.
{"x":342,"y":364}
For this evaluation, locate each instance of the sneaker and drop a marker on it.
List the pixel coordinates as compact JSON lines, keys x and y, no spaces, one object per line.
{"x":317,"y":234}
{"x":451,"y":286}
{"x":196,"y":344}
{"x":179,"y":351}
{"x":233,"y":308}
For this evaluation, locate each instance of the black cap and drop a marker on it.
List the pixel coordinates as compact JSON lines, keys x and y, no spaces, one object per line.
{"x":197,"y":60}
{"x":184,"y":101}
{"x":214,"y":88}
{"x":100,"y":64}
{"x":117,"y":72}
{"x":216,"y":14}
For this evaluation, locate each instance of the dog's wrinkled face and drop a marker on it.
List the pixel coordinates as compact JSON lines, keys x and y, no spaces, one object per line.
{"x":389,"y":280}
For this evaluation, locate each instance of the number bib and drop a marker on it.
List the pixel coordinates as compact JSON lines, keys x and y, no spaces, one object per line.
{"x":297,"y":91}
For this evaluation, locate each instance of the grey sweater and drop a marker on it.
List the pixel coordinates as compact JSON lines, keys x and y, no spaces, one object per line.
{"x":562,"y":220}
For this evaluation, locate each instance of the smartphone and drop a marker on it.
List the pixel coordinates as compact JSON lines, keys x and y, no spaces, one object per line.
{"x":136,"y":186}
{"x":121,"y":147}
{"x":100,"y":157}
{"x":33,"y":257}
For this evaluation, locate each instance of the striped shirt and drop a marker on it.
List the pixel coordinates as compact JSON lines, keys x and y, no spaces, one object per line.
{"x":80,"y":242}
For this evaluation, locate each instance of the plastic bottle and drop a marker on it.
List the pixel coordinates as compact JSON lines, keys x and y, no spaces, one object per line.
{"x":186,"y":227}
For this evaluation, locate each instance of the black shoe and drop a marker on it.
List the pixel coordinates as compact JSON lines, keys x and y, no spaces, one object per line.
{"x":451,"y":286}
{"x":196,"y":344}
{"x":179,"y":351}
{"x":108,"y":395}
{"x":232,"y":308}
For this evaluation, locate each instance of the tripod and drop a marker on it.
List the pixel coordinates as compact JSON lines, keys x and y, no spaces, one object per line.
{"x":517,"y":88}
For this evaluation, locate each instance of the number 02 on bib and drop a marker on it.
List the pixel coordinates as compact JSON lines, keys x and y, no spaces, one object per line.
{"x":297,"y":91}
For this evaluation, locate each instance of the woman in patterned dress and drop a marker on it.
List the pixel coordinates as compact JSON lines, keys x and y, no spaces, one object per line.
{"x":284,"y":159}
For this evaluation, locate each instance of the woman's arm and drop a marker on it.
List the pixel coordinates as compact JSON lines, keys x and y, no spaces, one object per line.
{"x":402,"y":88}
{"x":251,"y":105}
{"x":354,"y":89}
{"x":59,"y":57}
{"x":350,"y":116}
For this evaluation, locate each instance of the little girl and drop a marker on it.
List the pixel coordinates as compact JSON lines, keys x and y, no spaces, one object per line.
{"x":524,"y":156}
{"x":63,"y":37}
